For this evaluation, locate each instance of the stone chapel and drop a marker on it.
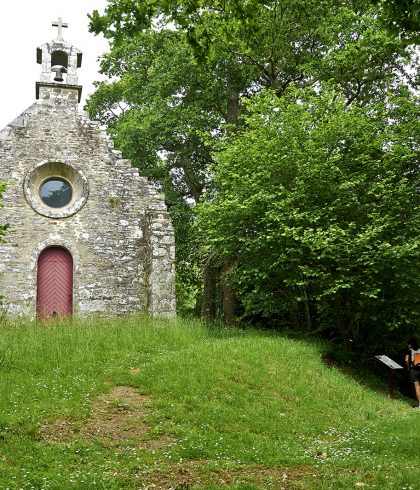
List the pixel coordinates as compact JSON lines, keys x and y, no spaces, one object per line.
{"x":87,"y":233}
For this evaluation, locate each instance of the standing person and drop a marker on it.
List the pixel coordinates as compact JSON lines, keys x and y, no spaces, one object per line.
{"x":413,"y":348}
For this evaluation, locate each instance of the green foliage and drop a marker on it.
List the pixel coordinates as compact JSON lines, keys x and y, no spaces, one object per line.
{"x":223,"y":404}
{"x":201,"y":19}
{"x":402,"y":17}
{"x":180,"y":72}
{"x":292,"y":41}
{"x":317,"y":201}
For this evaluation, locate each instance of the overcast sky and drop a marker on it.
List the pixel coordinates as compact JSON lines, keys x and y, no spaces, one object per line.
{"x":26,"y":25}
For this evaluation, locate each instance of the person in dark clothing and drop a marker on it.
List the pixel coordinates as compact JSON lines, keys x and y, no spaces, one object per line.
{"x":413,"y":348}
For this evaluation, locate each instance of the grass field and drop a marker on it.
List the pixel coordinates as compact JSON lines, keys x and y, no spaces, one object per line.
{"x":135,"y":403}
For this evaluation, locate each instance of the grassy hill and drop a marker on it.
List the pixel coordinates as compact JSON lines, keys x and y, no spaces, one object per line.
{"x":135,"y":403}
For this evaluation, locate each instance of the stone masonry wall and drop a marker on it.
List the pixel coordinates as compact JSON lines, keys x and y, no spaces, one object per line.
{"x":121,"y":237}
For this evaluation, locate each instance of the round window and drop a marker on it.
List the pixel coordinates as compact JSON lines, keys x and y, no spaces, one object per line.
{"x":56,"y":189}
{"x":55,"y":193}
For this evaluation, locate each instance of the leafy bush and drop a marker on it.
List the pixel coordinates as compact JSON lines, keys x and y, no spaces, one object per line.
{"x":316,"y":204}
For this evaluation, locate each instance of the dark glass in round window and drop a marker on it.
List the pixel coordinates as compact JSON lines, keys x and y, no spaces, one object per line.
{"x":55,"y":193}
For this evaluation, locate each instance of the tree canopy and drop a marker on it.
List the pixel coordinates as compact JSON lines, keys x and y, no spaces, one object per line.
{"x":318,"y":203}
{"x":402,"y":17}
{"x":208,"y":20}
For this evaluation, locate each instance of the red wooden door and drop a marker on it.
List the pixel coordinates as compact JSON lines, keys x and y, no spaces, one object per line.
{"x":55,"y":282}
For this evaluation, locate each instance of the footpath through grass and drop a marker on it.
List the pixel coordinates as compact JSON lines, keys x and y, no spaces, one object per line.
{"x":136,"y":403}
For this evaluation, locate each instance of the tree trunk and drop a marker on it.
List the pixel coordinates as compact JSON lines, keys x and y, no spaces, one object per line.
{"x":229,"y":300}
{"x":306,"y":310}
{"x":208,"y":306}
{"x":233,"y":108}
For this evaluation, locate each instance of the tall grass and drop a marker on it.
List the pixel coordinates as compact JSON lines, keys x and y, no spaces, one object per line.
{"x":248,"y":404}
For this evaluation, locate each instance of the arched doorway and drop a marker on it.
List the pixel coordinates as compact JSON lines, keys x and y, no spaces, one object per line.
{"x":55,"y":283}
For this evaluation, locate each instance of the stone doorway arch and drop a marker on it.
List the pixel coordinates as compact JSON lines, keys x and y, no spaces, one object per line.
{"x":54,"y":283}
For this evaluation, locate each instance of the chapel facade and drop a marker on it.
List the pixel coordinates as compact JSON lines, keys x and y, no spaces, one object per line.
{"x":87,"y":233}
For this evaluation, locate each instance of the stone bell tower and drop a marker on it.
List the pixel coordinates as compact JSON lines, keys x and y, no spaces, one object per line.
{"x":59,"y":61}
{"x":87,"y":233}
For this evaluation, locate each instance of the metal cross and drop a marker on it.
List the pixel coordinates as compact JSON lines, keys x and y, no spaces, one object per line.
{"x":60,"y":24}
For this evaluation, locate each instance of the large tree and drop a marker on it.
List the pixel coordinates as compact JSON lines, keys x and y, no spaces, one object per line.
{"x":318,"y":202}
{"x":182,"y":71}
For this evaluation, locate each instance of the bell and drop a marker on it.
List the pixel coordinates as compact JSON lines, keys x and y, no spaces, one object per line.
{"x":58,"y":70}
{"x":58,"y":77}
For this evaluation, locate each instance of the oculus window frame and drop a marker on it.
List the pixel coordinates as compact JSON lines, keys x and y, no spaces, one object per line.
{"x":47,"y":171}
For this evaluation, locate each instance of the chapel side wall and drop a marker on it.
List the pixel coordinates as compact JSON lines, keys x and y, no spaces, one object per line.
{"x":107,"y":233}
{"x":160,"y":262}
